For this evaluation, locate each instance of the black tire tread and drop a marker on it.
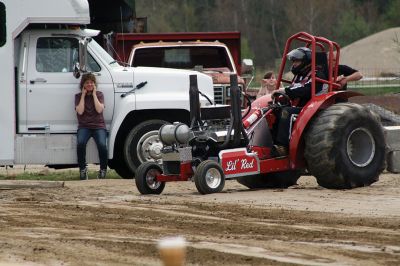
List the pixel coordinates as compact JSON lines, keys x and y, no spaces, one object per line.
{"x":122,"y":170}
{"x":322,"y":138}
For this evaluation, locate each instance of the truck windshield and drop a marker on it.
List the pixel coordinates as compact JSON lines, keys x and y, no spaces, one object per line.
{"x":197,"y":57}
{"x":103,"y":54}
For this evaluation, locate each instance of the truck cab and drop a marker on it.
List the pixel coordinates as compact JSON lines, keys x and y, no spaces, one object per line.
{"x":44,"y":53}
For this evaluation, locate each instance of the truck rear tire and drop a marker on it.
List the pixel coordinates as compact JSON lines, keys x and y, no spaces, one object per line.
{"x":146,"y":181}
{"x":142,"y":144}
{"x":272,"y":180}
{"x":345,"y":147}
{"x":209,"y":177}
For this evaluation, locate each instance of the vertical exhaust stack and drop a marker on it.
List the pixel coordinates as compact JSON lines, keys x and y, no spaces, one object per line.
{"x":236,"y":103}
{"x":194,"y":101}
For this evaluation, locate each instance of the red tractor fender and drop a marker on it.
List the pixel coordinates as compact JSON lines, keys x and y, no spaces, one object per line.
{"x":296,"y":146}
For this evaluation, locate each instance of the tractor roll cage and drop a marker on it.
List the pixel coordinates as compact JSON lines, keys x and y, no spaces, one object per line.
{"x":326,"y":47}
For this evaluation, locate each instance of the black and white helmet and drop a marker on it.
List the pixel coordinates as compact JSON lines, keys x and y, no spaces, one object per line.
{"x":302,"y":54}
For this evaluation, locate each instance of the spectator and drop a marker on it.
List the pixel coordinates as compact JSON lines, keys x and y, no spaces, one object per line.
{"x":89,"y":106}
{"x":299,"y":90}
{"x":268,"y":84}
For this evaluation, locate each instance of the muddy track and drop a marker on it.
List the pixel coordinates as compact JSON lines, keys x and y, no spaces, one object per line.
{"x":107,"y":222}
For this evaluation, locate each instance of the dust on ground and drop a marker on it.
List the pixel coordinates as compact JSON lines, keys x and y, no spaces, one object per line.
{"x":107,"y":222}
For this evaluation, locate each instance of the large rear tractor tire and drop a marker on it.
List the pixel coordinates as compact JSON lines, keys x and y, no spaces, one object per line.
{"x":209,"y":177}
{"x":146,"y":181}
{"x":143,"y":144}
{"x":345,"y":147}
{"x":272,"y":180}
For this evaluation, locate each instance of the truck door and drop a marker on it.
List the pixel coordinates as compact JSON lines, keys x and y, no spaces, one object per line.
{"x":51,"y":86}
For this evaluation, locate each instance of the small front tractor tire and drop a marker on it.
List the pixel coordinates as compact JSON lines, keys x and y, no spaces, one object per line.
{"x":209,"y":177}
{"x":345,"y":147}
{"x":146,"y":181}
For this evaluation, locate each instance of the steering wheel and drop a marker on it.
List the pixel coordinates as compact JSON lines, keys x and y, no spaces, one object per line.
{"x":280,"y":98}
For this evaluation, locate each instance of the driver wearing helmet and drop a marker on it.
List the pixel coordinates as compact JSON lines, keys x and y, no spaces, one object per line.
{"x":300,"y":91}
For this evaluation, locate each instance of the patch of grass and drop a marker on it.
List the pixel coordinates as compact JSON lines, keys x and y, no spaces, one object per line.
{"x":56,"y":175}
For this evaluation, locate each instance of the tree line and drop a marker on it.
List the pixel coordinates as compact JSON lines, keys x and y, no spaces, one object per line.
{"x":265,"y":25}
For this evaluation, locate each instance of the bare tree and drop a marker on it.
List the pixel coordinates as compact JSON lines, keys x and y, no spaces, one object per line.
{"x":273,"y":29}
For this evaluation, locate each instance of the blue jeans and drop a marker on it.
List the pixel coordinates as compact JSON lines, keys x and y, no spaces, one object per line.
{"x":100,"y":137}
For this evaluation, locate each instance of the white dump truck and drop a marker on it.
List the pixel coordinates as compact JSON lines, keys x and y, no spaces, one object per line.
{"x":44,"y":47}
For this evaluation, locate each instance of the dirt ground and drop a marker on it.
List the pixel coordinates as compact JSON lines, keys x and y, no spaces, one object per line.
{"x":107,"y":222}
{"x":390,"y":102}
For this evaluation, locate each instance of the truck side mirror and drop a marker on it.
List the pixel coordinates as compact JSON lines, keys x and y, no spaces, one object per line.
{"x":83,"y":54}
{"x":247,"y":71}
{"x":81,"y":66}
{"x":76,"y":71}
{"x":247,"y":68}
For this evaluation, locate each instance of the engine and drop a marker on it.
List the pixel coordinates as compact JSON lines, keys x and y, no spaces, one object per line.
{"x":212,"y":129}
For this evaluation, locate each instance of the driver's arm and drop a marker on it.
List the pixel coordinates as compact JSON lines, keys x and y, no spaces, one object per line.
{"x":298,"y":90}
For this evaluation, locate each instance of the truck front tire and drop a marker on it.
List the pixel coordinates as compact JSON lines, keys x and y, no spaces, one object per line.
{"x":345,"y":147}
{"x":142,"y":144}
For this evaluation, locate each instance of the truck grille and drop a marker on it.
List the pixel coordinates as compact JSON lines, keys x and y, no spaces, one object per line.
{"x":222,"y":94}
{"x":219,"y":95}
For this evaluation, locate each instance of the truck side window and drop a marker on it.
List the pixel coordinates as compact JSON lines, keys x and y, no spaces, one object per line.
{"x":92,"y":64}
{"x":56,"y":54}
{"x":2,"y":24}
{"x":59,"y":54}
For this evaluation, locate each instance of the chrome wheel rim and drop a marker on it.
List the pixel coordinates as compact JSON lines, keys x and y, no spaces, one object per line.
{"x":213,"y":178}
{"x":151,"y":179}
{"x":149,"y":147}
{"x":360,"y":147}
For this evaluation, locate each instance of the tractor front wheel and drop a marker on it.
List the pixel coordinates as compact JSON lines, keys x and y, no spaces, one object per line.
{"x":209,"y":177}
{"x":146,"y":181}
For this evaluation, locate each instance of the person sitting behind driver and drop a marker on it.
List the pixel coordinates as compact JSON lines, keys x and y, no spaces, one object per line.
{"x":299,"y":90}
{"x":346,"y":74}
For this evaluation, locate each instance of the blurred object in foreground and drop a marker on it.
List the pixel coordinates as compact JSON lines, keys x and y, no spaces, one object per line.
{"x":172,"y":251}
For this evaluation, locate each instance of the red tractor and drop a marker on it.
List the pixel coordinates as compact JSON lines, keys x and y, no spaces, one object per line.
{"x":340,"y":143}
